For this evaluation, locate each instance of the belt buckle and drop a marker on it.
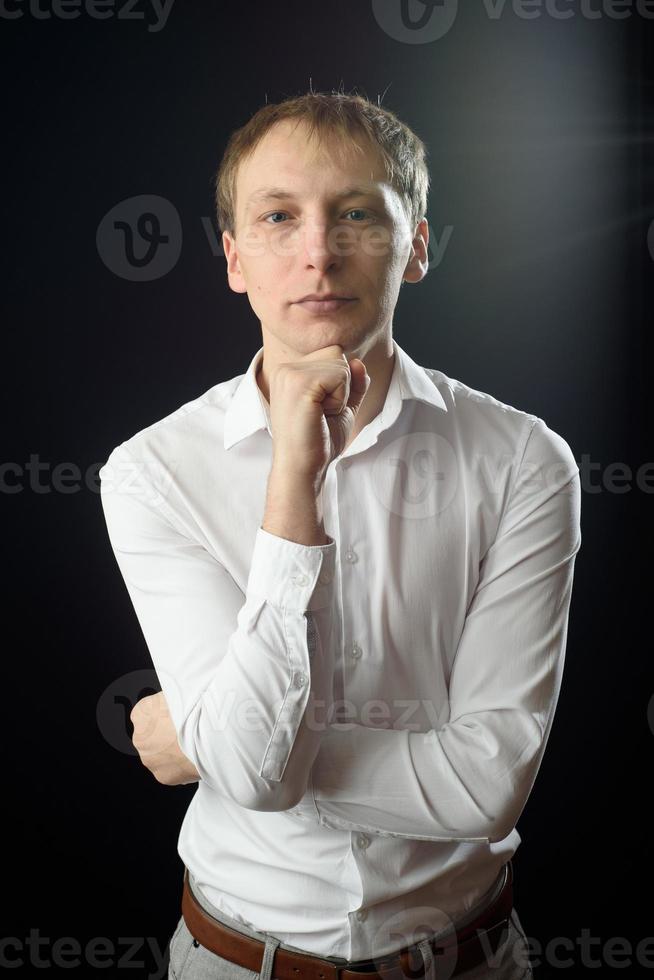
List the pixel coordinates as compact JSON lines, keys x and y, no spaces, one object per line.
{"x":367,"y":967}
{"x":406,"y":964}
{"x":340,"y":963}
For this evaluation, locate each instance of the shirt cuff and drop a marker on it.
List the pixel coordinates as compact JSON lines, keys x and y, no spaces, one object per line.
{"x":289,"y":575}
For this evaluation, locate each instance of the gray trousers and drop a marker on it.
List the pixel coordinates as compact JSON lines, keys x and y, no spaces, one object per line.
{"x":190,"y":961}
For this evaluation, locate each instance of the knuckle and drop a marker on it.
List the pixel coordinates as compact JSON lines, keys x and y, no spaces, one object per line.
{"x":140,"y":709}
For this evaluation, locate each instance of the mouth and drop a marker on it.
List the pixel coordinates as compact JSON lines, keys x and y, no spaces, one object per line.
{"x":323,"y":305}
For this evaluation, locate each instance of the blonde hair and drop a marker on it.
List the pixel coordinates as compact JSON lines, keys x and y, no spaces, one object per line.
{"x":347,"y":121}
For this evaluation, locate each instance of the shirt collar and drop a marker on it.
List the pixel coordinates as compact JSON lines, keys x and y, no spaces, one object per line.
{"x":249,"y":411}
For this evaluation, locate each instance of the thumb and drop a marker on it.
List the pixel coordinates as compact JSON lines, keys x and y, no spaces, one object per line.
{"x":359,"y":384}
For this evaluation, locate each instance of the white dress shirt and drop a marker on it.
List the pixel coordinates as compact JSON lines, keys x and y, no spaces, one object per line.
{"x":417,"y":657}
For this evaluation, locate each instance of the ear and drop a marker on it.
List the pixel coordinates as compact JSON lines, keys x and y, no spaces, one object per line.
{"x":234,"y":274}
{"x":418,"y":264}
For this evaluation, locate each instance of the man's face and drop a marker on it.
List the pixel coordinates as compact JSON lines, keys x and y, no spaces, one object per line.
{"x":314,"y":239}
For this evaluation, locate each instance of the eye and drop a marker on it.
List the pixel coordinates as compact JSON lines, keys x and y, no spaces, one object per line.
{"x":272,"y":214}
{"x":361,"y":210}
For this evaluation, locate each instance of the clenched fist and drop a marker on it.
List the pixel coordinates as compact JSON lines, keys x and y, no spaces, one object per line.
{"x":155,"y":740}
{"x":313,"y":404}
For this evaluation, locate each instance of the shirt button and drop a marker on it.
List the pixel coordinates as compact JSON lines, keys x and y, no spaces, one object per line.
{"x":300,"y":680}
{"x":326,"y":577}
{"x":363,"y":841}
{"x":300,"y":580}
{"x":356,"y":651}
{"x":344,"y":464}
{"x":361,"y":915}
{"x":350,"y":556}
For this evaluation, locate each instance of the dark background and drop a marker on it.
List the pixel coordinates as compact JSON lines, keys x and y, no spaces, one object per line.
{"x":539,"y":134}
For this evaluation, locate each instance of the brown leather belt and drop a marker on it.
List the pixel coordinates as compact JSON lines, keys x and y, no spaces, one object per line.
{"x":461,"y":950}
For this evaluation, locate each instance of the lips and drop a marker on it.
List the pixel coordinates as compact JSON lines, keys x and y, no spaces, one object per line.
{"x":324,"y":305}
{"x":320,"y":297}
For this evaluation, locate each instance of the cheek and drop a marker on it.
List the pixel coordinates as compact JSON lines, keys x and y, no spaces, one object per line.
{"x":260,"y":274}
{"x":264,"y":294}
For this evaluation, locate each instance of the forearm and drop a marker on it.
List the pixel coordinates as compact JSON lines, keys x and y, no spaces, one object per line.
{"x":238,"y":677}
{"x":470,"y":778}
{"x":294,"y":512}
{"x":246,"y":734}
{"x":294,"y":507}
{"x":460,"y":783}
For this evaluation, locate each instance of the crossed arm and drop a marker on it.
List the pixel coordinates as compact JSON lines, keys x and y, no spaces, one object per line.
{"x":465,"y":781}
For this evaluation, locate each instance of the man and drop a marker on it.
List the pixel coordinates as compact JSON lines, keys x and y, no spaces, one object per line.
{"x":354,"y":577}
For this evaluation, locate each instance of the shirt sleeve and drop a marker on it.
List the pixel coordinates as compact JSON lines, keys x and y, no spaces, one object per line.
{"x":244,"y":676}
{"x":470,"y":779}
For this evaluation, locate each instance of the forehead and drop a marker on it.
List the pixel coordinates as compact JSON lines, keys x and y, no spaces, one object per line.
{"x":285,"y":158}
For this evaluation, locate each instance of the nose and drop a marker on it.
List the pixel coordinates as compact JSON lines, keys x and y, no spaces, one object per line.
{"x":320,"y":251}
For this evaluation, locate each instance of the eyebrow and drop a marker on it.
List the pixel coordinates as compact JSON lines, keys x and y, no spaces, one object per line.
{"x":278,"y":193}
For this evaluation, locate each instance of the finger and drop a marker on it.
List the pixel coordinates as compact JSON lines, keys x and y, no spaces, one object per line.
{"x":335,"y":402}
{"x":334,"y":351}
{"x":359,"y":383}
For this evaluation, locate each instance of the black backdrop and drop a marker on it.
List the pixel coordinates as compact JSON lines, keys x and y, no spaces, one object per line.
{"x":539,"y":130}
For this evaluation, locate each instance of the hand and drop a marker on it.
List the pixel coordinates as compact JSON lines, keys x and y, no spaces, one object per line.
{"x":313,"y":404}
{"x":155,"y":740}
